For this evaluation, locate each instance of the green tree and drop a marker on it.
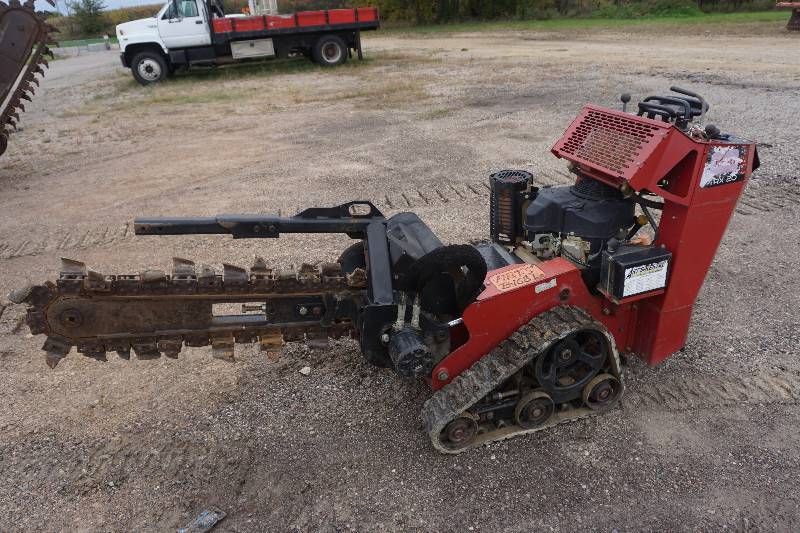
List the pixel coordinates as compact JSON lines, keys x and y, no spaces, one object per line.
{"x":88,"y":16}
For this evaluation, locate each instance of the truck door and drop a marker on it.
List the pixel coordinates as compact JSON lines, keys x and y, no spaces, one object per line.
{"x":183,"y":24}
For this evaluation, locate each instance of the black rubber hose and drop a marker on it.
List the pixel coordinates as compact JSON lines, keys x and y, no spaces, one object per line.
{"x":445,"y":259}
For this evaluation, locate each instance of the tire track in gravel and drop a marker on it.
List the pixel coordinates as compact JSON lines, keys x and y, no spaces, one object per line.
{"x":710,"y":392}
{"x":114,"y":459}
{"x":752,"y":202}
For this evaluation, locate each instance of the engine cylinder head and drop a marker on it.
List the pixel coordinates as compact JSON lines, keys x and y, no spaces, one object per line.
{"x":507,"y":188}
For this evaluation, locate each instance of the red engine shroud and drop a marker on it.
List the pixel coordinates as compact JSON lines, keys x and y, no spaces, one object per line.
{"x":700,"y":181}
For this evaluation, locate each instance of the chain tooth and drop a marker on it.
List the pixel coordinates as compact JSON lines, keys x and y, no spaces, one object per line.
{"x":233,"y":274}
{"x":331,"y":270}
{"x":181,"y":265}
{"x":272,"y":344}
{"x":170,"y":347}
{"x":208,"y":278}
{"x":14,"y":3}
{"x":152,"y":276}
{"x":56,"y":349}
{"x":146,"y":350}
{"x":71,"y":266}
{"x":287,"y":274}
{"x":52,"y":359}
{"x":196,"y":340}
{"x":222,"y":348}
{"x":183,"y":271}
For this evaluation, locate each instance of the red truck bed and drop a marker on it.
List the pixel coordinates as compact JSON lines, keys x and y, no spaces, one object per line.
{"x":360,"y":18}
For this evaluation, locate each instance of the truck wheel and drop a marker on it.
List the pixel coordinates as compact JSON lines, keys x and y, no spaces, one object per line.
{"x":149,"y":67}
{"x":330,"y":51}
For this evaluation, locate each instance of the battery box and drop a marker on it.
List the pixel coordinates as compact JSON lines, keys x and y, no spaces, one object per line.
{"x":633,"y":270}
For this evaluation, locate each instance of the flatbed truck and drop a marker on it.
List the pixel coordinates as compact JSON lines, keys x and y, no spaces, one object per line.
{"x":190,"y":33}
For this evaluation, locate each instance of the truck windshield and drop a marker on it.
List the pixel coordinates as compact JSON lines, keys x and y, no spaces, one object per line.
{"x":186,"y":8}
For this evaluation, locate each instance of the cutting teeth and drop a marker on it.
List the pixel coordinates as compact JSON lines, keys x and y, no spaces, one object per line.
{"x":233,"y":274}
{"x":170,"y":347}
{"x":56,"y":350}
{"x":152,"y":276}
{"x":183,"y":270}
{"x":52,"y":360}
{"x":72,"y":267}
{"x":146,"y":350}
{"x":222,"y":348}
{"x":14,"y":3}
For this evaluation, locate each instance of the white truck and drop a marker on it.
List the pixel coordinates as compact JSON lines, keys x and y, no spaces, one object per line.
{"x":188,"y":33}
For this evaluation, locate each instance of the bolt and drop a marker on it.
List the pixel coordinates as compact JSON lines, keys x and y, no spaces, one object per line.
{"x":303,"y":310}
{"x":566,"y":354}
{"x":564,"y":294}
{"x":606,"y":311}
{"x":385,"y":338}
{"x":443,"y":375}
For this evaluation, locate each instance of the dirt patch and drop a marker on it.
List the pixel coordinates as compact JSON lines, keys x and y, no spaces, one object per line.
{"x":705,"y":441}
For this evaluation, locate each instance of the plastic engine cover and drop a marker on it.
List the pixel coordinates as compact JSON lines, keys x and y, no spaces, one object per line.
{"x":589,"y":216}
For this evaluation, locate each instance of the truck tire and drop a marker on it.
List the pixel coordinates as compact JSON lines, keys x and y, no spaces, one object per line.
{"x":149,"y":67}
{"x":330,"y":51}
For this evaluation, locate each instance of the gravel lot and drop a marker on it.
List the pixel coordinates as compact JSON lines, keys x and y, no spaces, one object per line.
{"x":706,"y":441}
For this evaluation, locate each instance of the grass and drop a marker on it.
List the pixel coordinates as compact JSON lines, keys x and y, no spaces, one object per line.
{"x":243,"y":83}
{"x":600,"y":23}
{"x":83,"y":42}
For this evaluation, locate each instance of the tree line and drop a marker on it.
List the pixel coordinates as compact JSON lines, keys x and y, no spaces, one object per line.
{"x":89,"y":18}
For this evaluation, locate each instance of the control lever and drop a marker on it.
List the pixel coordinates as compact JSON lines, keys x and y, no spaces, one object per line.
{"x":625,"y":98}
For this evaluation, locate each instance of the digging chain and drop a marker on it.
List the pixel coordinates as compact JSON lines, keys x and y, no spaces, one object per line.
{"x":17,"y":80}
{"x":154,"y":314}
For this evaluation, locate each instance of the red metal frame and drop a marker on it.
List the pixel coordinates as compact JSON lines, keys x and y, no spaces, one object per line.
{"x":301,"y":19}
{"x":651,"y":156}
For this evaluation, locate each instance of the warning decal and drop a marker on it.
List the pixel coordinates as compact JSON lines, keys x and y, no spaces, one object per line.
{"x":644,"y":278}
{"x":725,"y":164}
{"x":518,"y":277}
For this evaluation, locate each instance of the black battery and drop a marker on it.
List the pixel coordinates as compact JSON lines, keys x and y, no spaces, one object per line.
{"x":632,"y":270}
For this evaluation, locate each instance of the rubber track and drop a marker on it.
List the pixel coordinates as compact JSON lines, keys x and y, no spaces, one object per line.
{"x":497,"y":366}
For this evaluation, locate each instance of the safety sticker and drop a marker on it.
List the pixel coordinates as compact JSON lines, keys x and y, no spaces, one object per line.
{"x":644,"y":278}
{"x":544,"y":286}
{"x":725,"y":164}
{"x":518,"y":277}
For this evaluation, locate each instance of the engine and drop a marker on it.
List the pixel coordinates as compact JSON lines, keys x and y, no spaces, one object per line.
{"x":574,"y":222}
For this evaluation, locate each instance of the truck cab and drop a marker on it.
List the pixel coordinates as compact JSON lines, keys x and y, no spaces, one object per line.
{"x":187,"y":33}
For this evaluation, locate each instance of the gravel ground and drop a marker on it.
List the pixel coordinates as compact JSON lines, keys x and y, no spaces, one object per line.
{"x":706,"y":441}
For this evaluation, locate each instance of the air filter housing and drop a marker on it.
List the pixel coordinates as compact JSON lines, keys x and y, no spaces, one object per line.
{"x":508,"y":191}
